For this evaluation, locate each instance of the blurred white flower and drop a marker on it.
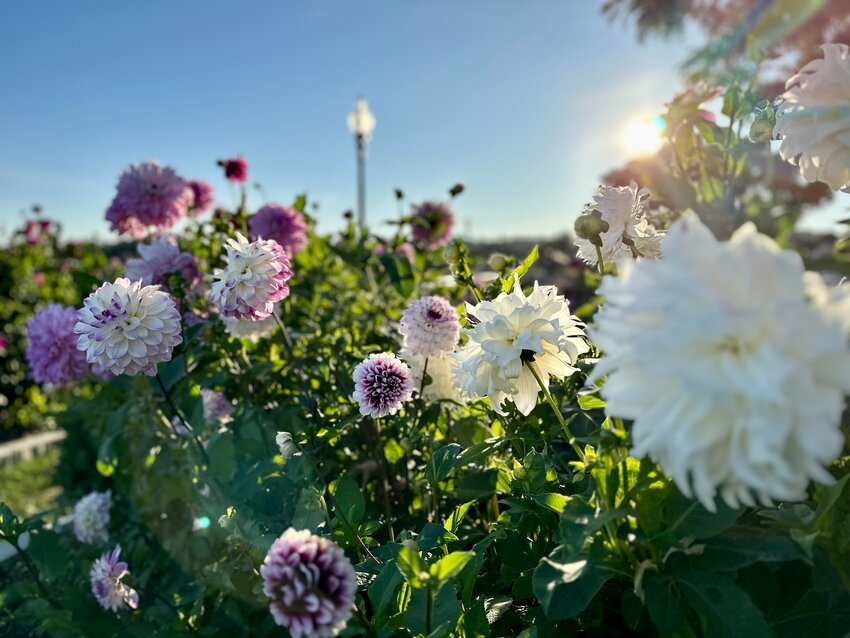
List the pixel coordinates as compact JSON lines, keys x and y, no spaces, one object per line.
{"x":248,"y":328}
{"x":91,"y":517}
{"x":430,"y":326}
{"x":629,"y":234}
{"x":734,"y":379}
{"x":286,"y":445}
{"x":813,"y":119}
{"x":443,"y":386}
{"x":512,"y":331}
{"x":217,"y":407}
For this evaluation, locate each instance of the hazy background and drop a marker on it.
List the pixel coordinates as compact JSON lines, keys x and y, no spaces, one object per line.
{"x":526,"y":103}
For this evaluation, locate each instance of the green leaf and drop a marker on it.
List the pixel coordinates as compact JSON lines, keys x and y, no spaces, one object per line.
{"x":222,"y":456}
{"x":411,"y":566}
{"x":565,"y":585}
{"x":555,"y":502}
{"x":350,"y":500}
{"x":46,"y":550}
{"x":383,"y":592}
{"x":443,"y":462}
{"x":444,"y":611}
{"x":454,"y":520}
{"x":589,"y":402}
{"x":476,"y":485}
{"x":725,"y":609}
{"x":450,"y":566}
{"x":519,"y":271}
{"x":434,"y":535}
{"x":400,"y":272}
{"x":665,"y":606}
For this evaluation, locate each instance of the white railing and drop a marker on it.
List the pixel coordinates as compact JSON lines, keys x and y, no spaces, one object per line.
{"x":29,"y":446}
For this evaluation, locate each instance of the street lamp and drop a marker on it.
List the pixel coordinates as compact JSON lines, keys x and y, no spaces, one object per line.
{"x":361,"y":123}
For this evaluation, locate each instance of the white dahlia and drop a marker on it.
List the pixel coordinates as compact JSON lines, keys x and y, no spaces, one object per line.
{"x":629,"y":234}
{"x":813,"y":119}
{"x":511,"y":332}
{"x":253,"y":280}
{"x":248,"y":329}
{"x":91,"y":517}
{"x":735,"y":380}
{"x":127,"y":328}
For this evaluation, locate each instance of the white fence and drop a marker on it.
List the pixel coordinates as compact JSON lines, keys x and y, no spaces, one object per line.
{"x":29,"y":446}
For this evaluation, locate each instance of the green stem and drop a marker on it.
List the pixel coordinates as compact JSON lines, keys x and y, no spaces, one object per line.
{"x":600,"y":263}
{"x":183,"y":420}
{"x":551,"y":401}
{"x":287,"y":340}
{"x":42,"y":588}
{"x":429,"y":604}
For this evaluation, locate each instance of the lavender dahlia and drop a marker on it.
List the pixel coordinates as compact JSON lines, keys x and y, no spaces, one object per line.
{"x":311,"y":583}
{"x":52,"y":353}
{"x":159,"y":258}
{"x":91,"y":517}
{"x":381,"y":384}
{"x":127,"y":328}
{"x":431,"y":224}
{"x":283,"y":224}
{"x":254,"y":279}
{"x":105,"y":576}
{"x":148,"y":195}
{"x":430,"y":326}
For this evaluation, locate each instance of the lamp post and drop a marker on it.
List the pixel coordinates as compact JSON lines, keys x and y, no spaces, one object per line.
{"x":361,"y":123}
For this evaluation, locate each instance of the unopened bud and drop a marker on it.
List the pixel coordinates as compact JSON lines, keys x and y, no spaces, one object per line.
{"x":590,"y":226}
{"x":521,"y":473}
{"x":451,"y":254}
{"x":498,"y":262}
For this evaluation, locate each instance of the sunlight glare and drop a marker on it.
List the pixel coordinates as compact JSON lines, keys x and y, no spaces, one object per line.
{"x":643,"y":135}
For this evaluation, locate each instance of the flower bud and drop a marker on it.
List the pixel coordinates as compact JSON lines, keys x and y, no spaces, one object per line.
{"x":451,"y":254}
{"x":521,"y":474}
{"x":498,"y":262}
{"x":589,"y":226}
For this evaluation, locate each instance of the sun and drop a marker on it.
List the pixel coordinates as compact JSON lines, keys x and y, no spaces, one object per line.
{"x":644,"y":135}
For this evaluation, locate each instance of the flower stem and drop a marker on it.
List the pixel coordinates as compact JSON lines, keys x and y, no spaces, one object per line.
{"x":183,"y":420}
{"x":287,"y":340}
{"x":42,"y":588}
{"x":551,"y":401}
{"x":600,"y":263}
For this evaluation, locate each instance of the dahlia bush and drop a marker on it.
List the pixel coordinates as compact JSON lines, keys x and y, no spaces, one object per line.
{"x":277,"y":432}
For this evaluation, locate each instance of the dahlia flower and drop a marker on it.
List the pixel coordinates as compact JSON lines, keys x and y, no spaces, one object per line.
{"x":127,"y":328}
{"x":734,"y":379}
{"x":283,"y":224}
{"x":431,"y":224}
{"x":813,"y":119}
{"x":148,"y":195}
{"x":254,"y":279}
{"x":381,"y":384}
{"x":216,"y":406}
{"x":629,"y":234}
{"x":91,"y":518}
{"x":512,"y":332}
{"x":249,"y":329}
{"x":430,"y":326}
{"x":441,"y":371}
{"x":311,"y":583}
{"x":235,"y":169}
{"x":51,"y":353}
{"x":286,"y":445}
{"x":105,"y":576}
{"x":203,"y":197}
{"x":405,"y":249}
{"x":159,"y":258}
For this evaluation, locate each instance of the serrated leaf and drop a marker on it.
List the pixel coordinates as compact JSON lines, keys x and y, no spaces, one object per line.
{"x":724,"y":608}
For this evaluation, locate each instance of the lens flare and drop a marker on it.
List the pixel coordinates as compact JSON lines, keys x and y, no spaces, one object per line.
{"x":643,"y":135}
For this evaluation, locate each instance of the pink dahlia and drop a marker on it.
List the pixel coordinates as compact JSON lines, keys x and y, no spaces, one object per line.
{"x":381,"y":384}
{"x":311,"y":584}
{"x":148,"y":195}
{"x":430,"y":326}
{"x":283,"y":224}
{"x":52,"y":352}
{"x":253,"y":280}
{"x":160,"y":258}
{"x":235,"y":169}
{"x":431,"y":224}
{"x":203,"y":197}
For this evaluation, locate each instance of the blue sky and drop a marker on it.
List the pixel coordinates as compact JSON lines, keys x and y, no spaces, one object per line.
{"x":525,"y":102}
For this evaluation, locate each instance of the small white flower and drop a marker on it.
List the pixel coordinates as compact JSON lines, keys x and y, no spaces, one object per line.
{"x":734,"y":379}
{"x":127,"y":328}
{"x":629,"y":234}
{"x":430,"y":326}
{"x":249,"y":329}
{"x":813,"y":119}
{"x":443,"y":386}
{"x":286,"y":445}
{"x":253,"y":280}
{"x":511,"y":332}
{"x":91,"y":518}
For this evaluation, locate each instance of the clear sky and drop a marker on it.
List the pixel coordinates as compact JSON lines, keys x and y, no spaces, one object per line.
{"x":525,"y":102}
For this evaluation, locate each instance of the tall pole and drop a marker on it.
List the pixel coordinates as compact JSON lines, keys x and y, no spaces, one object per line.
{"x":361,"y":180}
